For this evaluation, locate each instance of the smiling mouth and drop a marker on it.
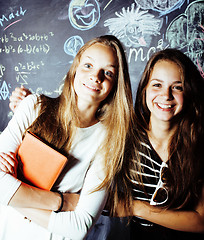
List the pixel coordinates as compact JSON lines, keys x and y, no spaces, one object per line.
{"x":165,"y":106}
{"x":92,"y":87}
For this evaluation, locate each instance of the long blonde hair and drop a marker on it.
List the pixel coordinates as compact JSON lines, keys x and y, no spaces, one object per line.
{"x":58,"y":118}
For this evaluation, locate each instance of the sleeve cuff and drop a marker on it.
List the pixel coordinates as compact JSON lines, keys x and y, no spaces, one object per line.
{"x":8,"y":187}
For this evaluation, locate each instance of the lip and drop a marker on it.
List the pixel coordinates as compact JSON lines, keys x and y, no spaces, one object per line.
{"x":165,"y":107}
{"x":92,"y":87}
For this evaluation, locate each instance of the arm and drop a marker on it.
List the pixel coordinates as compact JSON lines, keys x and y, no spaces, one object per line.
{"x":27,"y":196}
{"x":73,"y":224}
{"x":188,"y":221}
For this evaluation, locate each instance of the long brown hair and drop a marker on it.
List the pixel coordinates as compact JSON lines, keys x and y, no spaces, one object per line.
{"x":58,"y":118}
{"x":185,"y":151}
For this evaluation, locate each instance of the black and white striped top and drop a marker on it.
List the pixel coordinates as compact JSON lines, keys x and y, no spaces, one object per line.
{"x":151,"y":164}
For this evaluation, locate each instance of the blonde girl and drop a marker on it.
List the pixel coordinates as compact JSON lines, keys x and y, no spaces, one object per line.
{"x":88,"y":123}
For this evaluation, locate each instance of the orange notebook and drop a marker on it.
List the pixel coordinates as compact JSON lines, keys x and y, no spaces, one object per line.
{"x":40,"y":165}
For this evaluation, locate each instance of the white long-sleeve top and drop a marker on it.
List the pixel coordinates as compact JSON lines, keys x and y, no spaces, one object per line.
{"x":78,"y":175}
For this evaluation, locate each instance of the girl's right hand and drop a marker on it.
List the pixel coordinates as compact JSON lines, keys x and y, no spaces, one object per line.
{"x":8,"y":163}
{"x":17,"y":96}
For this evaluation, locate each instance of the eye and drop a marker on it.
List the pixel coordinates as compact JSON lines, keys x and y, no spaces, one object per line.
{"x":87,"y":65}
{"x":109,"y":74}
{"x":178,"y":88}
{"x":157,"y":85}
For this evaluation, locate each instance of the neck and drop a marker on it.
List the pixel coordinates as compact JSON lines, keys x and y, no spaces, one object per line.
{"x":160,"y":134}
{"x":87,"y":115}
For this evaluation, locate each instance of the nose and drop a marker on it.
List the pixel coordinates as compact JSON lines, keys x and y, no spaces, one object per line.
{"x":96,"y":76}
{"x":167,"y":93}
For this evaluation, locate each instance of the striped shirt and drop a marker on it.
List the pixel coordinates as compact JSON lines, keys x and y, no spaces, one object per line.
{"x":151,"y":164}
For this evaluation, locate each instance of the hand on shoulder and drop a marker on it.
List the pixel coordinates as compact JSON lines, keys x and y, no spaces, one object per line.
{"x":17,"y":96}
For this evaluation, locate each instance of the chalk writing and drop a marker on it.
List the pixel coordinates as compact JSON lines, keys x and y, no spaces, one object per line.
{"x":134,"y":27}
{"x":24,"y":70}
{"x":28,"y":48}
{"x":40,"y":90}
{"x":2,"y":70}
{"x":134,"y":53}
{"x":84,"y":14}
{"x":25,"y":37}
{"x":13,"y":15}
{"x":18,"y":44}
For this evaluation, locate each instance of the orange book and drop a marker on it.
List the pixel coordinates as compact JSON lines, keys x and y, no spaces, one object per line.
{"x":39,"y":164}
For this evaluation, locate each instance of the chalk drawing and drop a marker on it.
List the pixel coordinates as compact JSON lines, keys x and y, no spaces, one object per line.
{"x":162,"y":6}
{"x":134,"y":27}
{"x":4,"y":91}
{"x":186,"y":32}
{"x":84,"y":14}
{"x":72,"y":45}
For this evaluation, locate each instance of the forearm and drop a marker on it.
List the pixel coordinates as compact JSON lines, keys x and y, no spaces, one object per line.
{"x":39,"y":216}
{"x":30,"y":197}
{"x":189,"y":221}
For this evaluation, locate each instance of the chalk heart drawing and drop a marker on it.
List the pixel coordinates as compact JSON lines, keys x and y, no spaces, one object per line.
{"x":186,"y":32}
{"x":162,"y":6}
{"x":84,"y":14}
{"x":134,"y":27}
{"x":72,"y":45}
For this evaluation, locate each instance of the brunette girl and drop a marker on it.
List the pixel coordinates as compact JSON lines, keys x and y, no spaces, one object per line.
{"x":164,"y":177}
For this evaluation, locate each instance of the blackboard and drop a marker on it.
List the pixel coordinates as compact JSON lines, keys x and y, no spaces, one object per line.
{"x":39,"y":39}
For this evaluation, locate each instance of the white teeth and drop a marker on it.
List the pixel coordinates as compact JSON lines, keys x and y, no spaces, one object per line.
{"x":91,"y":87}
{"x":164,"y":106}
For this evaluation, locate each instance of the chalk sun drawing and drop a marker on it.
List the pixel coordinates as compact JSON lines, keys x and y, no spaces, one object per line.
{"x":134,"y":27}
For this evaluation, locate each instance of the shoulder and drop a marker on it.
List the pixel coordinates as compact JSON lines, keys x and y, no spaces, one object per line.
{"x":28,"y":104}
{"x":28,"y":110}
{"x":30,"y":100}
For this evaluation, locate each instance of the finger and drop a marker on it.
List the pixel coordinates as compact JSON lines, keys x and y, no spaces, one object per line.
{"x":19,"y":92}
{"x":12,"y":106}
{"x":24,"y":91}
{"x":16,"y":97}
{"x":5,"y":166}
{"x":9,"y":158}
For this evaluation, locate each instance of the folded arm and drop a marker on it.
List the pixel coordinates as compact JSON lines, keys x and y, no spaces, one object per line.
{"x":188,"y":221}
{"x":67,"y":223}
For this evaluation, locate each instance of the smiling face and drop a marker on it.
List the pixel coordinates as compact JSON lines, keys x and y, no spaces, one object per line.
{"x":95,"y":74}
{"x":164,"y":91}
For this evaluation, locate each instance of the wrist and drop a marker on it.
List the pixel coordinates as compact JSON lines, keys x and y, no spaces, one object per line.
{"x":139,"y":208}
{"x":60,"y":202}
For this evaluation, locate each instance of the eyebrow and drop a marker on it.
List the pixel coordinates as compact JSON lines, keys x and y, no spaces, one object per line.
{"x":109,"y":65}
{"x":155,"y":79}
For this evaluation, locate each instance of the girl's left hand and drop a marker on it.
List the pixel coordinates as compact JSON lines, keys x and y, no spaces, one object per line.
{"x":8,"y":163}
